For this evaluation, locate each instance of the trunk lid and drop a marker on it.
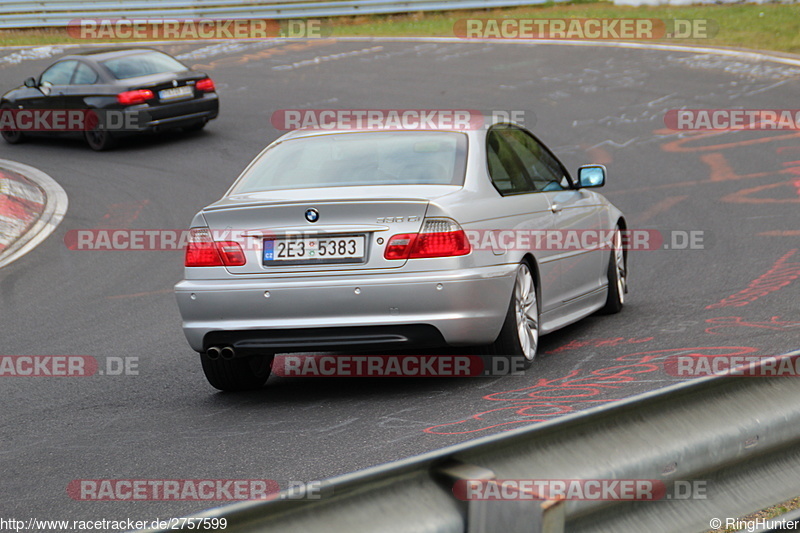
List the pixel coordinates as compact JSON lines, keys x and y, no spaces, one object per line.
{"x":353,"y":228}
{"x":180,"y":84}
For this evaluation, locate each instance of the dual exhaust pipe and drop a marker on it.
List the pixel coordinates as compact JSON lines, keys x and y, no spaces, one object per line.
{"x":224,"y":352}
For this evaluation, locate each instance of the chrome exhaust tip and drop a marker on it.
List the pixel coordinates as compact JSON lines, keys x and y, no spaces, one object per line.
{"x":227,"y":353}
{"x":213,"y":353}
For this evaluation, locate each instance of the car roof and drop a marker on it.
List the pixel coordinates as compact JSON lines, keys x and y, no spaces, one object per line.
{"x":486,"y":122}
{"x":109,"y":53}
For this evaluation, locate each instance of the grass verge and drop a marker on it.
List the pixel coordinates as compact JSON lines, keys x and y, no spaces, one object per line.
{"x":774,"y":27}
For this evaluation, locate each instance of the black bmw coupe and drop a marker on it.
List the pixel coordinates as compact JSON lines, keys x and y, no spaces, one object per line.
{"x":107,"y":94}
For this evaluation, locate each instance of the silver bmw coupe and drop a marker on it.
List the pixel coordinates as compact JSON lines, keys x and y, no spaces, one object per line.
{"x":349,"y":240}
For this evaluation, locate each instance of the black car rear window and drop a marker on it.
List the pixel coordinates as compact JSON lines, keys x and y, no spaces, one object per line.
{"x":144,"y":64}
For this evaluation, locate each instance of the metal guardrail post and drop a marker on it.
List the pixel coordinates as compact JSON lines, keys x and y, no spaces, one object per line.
{"x":485,"y":516}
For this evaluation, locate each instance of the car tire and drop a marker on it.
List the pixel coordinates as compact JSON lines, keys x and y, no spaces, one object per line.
{"x":239,"y":374}
{"x":519,"y":337}
{"x":617,"y":277}
{"x":99,"y":139}
{"x":12,"y":136}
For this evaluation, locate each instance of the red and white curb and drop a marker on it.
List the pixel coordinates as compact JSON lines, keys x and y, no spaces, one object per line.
{"x":32,"y":205}
{"x":21,"y":204}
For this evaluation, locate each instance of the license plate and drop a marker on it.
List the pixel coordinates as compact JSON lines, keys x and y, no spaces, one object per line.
{"x":176,"y":92}
{"x":309,"y":250}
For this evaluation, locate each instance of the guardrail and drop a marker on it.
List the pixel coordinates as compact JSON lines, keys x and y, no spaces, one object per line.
{"x":58,"y":13}
{"x":740,"y":435}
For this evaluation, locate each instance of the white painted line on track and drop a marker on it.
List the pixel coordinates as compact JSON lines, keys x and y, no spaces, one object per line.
{"x":752,"y":55}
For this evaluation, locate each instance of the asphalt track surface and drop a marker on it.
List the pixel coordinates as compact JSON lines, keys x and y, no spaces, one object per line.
{"x":591,"y":104}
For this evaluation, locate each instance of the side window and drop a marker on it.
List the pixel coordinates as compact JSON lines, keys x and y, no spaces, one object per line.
{"x":59,"y":74}
{"x":540,"y":165}
{"x":84,"y":75}
{"x":506,"y":169}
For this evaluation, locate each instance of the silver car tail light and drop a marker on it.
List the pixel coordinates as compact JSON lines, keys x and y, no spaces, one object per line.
{"x":203,"y":251}
{"x":439,"y":237}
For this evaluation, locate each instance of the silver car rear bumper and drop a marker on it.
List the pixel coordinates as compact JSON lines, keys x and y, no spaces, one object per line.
{"x":466,"y":306}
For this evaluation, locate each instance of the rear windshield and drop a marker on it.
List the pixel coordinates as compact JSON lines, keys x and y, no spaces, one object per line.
{"x":360,"y":159}
{"x":143,"y":64}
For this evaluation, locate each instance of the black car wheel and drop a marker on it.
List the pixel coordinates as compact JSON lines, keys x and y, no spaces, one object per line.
{"x":98,"y":139}
{"x":11,"y":136}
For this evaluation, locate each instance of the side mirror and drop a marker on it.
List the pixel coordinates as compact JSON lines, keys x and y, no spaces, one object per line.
{"x":591,"y":176}
{"x":31,"y":82}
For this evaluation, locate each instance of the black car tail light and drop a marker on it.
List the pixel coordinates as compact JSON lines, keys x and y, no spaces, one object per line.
{"x":138,"y":96}
{"x":205,"y":85}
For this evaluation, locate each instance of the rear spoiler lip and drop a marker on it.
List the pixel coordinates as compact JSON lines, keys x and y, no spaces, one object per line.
{"x":229,"y":202}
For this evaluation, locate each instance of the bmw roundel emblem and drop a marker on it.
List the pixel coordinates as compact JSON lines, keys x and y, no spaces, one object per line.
{"x":312,"y":215}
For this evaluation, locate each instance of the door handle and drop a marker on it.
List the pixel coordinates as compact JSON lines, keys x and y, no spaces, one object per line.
{"x":555,"y":208}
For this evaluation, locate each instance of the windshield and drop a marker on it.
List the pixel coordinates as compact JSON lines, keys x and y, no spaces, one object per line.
{"x":364,"y":158}
{"x":143,"y":64}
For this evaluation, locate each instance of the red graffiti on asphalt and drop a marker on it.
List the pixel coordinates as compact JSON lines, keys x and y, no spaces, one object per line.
{"x":550,"y":398}
{"x":122,"y":215}
{"x":598,"y":343}
{"x":738,"y":322}
{"x":781,"y":274}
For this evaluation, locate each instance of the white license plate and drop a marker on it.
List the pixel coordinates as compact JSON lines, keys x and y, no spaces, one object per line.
{"x":176,"y":92}
{"x":337,"y":249}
